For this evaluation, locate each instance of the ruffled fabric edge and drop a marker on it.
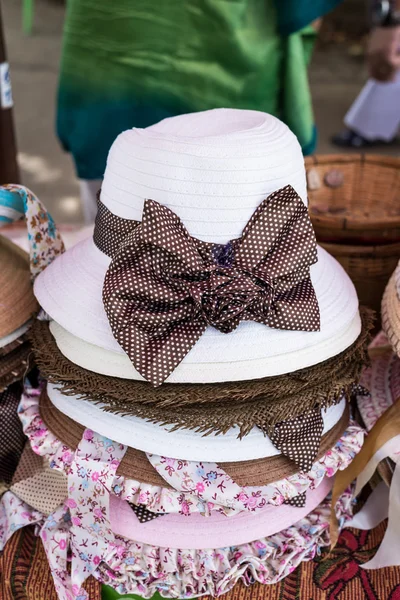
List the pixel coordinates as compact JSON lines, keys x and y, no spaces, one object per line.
{"x":164,"y":500}
{"x":382,"y":380}
{"x":141,"y":569}
{"x":132,"y":567}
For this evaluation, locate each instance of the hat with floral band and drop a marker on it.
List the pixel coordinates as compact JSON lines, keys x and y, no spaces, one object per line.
{"x":391,"y":310}
{"x":17,"y":302}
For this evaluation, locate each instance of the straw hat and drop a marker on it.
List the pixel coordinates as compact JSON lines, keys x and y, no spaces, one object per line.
{"x":382,"y":379}
{"x":391,"y":310}
{"x":17,"y":301}
{"x":213,"y":170}
{"x":135,"y":464}
{"x":183,"y":444}
{"x":8,"y":340}
{"x":114,"y":364}
{"x":14,"y":365}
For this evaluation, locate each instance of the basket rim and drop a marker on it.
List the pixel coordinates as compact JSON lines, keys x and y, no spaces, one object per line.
{"x":355,"y":223}
{"x":362,"y":250}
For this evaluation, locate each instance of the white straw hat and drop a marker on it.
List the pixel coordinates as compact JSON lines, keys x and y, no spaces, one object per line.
{"x":213,"y":170}
{"x":182,"y":444}
{"x":117,"y":364}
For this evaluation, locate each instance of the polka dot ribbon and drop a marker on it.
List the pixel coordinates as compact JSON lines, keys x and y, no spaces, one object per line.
{"x":164,"y":287}
{"x":143,"y":515}
{"x":299,"y":439}
{"x":298,"y":501}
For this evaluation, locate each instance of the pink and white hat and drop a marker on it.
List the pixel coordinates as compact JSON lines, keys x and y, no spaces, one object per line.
{"x":215,"y":531}
{"x":382,"y":379}
{"x":212,"y":170}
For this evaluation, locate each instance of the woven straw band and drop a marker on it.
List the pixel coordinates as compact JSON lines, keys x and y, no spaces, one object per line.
{"x":14,"y":365}
{"x":209,"y":408}
{"x":135,"y":464}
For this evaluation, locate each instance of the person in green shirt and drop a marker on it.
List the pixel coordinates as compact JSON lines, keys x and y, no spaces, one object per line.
{"x":132,"y":63}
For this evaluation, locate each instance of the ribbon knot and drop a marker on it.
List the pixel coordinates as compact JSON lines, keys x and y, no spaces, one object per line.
{"x":227,"y":294}
{"x":223,"y":254}
{"x":164,"y":287}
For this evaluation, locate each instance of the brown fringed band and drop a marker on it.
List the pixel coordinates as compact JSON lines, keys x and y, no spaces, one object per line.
{"x":135,"y":464}
{"x":209,"y":408}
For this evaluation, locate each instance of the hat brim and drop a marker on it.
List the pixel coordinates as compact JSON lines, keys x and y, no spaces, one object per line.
{"x":17,"y":301}
{"x":14,"y":365}
{"x":135,"y":464}
{"x":14,"y":335}
{"x":215,"y":531}
{"x":70,"y":291}
{"x":382,"y":379}
{"x":190,"y":573}
{"x":181,"y":444}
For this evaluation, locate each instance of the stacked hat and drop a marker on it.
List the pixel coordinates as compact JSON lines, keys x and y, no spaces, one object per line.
{"x":379,"y":407}
{"x":18,"y":311}
{"x":18,"y":306}
{"x":199,"y":355}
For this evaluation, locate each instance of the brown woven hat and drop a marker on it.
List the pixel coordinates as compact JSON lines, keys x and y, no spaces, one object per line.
{"x":17,"y":302}
{"x":391,"y":311}
{"x":13,"y":345}
{"x":14,"y":365}
{"x":135,"y":464}
{"x":247,"y":404}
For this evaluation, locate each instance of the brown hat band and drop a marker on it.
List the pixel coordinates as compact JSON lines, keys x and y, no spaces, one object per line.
{"x":209,"y":408}
{"x":135,"y":464}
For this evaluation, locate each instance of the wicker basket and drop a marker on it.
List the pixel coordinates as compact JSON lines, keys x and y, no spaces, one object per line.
{"x":369,"y":267}
{"x":364,"y":208}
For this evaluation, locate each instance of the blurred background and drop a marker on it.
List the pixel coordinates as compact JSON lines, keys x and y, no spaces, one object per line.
{"x":336,"y":74}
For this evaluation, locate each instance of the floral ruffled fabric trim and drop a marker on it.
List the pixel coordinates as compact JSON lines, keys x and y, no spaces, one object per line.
{"x":382,"y":379}
{"x":15,"y":514}
{"x":131,"y":567}
{"x":142,"y":569}
{"x":45,"y":242}
{"x":199,"y":487}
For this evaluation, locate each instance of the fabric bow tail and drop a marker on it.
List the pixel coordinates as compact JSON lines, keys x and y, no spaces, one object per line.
{"x":45,"y":242}
{"x":90,"y":482}
{"x":383,"y":441}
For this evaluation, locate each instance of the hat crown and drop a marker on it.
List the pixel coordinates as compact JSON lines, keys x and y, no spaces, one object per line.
{"x":211,"y":168}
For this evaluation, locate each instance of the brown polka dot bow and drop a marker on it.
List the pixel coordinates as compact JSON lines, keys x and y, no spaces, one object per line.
{"x":164,"y":287}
